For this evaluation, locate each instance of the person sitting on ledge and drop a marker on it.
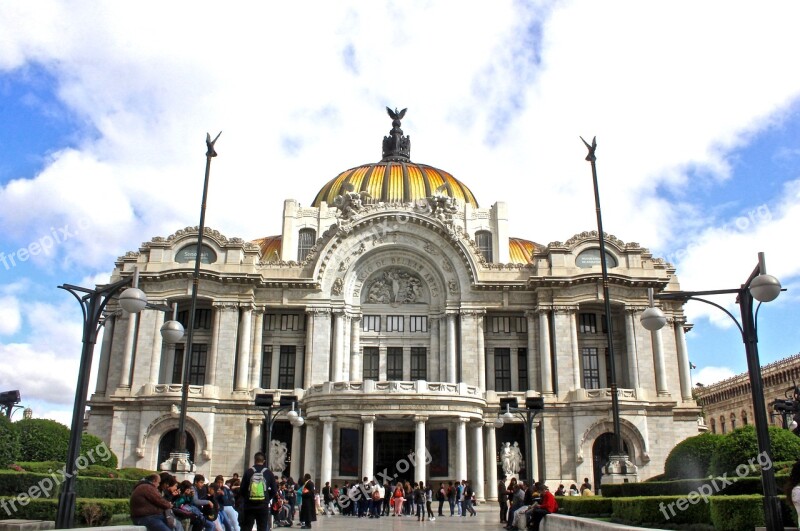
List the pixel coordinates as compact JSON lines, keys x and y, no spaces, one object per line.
{"x":148,"y":506}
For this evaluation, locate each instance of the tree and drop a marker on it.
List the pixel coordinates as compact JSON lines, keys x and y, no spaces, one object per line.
{"x":691,"y":457}
{"x":9,"y":441}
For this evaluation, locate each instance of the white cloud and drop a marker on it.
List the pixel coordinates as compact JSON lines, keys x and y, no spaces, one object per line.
{"x":712,"y":375}
{"x":10,"y":318}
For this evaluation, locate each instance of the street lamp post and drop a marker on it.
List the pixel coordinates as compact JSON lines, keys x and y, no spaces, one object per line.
{"x":533,"y":405}
{"x":618,"y":460}
{"x":764,"y":288}
{"x":180,"y":454}
{"x":93,"y":302}
{"x":266,"y":403}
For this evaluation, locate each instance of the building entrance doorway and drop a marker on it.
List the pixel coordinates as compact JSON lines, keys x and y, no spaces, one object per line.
{"x":603,"y":447}
{"x":168,"y":443}
{"x":391,"y":452}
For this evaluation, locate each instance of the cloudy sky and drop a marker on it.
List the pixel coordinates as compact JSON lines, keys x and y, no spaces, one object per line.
{"x":104,"y":108}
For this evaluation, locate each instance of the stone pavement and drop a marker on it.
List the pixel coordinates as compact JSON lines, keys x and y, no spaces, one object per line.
{"x":488,"y":517}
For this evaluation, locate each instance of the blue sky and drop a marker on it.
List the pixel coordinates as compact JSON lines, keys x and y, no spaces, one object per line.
{"x":104,"y":109}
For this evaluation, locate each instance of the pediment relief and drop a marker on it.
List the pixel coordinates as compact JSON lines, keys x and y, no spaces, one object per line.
{"x":394,"y":286}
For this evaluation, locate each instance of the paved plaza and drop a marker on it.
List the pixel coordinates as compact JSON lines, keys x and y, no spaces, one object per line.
{"x":487,"y":518}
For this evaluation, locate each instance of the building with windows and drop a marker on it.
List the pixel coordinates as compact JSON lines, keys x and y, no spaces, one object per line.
{"x":399,"y":312}
{"x":728,"y":404}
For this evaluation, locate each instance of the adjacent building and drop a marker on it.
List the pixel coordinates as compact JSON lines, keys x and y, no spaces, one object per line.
{"x":399,"y":312}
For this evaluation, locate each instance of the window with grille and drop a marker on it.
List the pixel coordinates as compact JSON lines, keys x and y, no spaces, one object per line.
{"x":271,"y":321}
{"x":266,"y":367}
{"x":305,"y":241}
{"x":418,"y":323}
{"x":371,"y":323}
{"x":500,"y":325}
{"x":371,"y":363}
{"x":394,"y":323}
{"x":291,"y":322}
{"x":591,"y":368}
{"x":484,"y":240}
{"x":286,"y":366}
{"x":394,"y":363}
{"x":419,"y":363}
{"x":588,"y":323}
{"x":522,"y":368}
{"x":502,"y":369}
{"x":202,"y":319}
{"x":197,"y":364}
{"x":521,"y":325}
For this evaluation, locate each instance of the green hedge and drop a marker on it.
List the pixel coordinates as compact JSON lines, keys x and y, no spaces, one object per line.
{"x":682,"y":487}
{"x":740,"y":447}
{"x":691,"y":457}
{"x":13,"y":483}
{"x":660,"y":510}
{"x":733,"y":513}
{"x":584,"y":505}
{"x":9,"y":441}
{"x":88,"y":511}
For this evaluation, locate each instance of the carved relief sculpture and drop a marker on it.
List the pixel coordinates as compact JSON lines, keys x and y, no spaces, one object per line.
{"x":395,"y":286}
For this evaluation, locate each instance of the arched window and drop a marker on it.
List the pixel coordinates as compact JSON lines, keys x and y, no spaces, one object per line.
{"x":305,"y":242}
{"x":744,"y":418}
{"x":722,"y":424}
{"x":713,"y":426}
{"x":733,"y":421}
{"x":484,"y":240}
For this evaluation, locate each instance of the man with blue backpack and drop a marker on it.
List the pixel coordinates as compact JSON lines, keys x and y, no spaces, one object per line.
{"x":257,"y":490}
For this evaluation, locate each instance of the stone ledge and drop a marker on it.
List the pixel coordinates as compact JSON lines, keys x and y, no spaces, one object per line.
{"x":26,"y":525}
{"x":562,"y":522}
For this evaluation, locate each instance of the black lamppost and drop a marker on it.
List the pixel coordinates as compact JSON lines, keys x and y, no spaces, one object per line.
{"x":618,"y":459}
{"x":266,"y":403}
{"x":763,"y":288}
{"x":533,"y":405}
{"x":9,"y":399}
{"x":180,"y":452}
{"x":93,"y":302}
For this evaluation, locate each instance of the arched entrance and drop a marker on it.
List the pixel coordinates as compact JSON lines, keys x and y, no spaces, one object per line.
{"x":601,"y":449}
{"x":167,"y":444}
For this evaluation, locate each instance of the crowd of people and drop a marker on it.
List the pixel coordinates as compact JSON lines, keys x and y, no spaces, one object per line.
{"x":524,"y":505}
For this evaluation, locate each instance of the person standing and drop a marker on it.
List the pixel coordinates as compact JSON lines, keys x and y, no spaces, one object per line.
{"x":257,"y":488}
{"x":147,"y":505}
{"x":502,"y":499}
{"x":466,"y":506}
{"x":327,"y":499}
{"x":308,"y":510}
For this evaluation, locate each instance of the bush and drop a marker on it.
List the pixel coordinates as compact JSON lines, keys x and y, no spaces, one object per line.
{"x":732,"y":513}
{"x":584,"y":505}
{"x":691,"y":457}
{"x":739,"y":447}
{"x":661,"y":510}
{"x":135,"y":474}
{"x":13,"y":483}
{"x":9,"y":441}
{"x":41,"y":467}
{"x":96,"y":451}
{"x":100,"y":511}
{"x":42,"y":440}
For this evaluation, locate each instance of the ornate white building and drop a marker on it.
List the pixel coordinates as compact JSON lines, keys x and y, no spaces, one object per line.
{"x":399,"y":313}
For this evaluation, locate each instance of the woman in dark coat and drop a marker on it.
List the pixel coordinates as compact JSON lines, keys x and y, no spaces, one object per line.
{"x":308,"y":512}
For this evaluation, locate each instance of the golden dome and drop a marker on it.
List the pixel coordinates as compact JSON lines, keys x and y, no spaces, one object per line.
{"x":395,"y":182}
{"x":395,"y":179}
{"x":521,"y":251}
{"x":270,"y":248}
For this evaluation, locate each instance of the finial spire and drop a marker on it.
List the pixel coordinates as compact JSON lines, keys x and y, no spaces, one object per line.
{"x":396,"y":146}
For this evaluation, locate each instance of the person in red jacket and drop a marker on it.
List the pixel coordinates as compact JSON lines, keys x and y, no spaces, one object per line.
{"x":148,"y":506}
{"x":546,"y":505}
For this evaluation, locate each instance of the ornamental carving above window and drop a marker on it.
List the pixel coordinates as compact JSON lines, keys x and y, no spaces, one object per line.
{"x":395,"y":286}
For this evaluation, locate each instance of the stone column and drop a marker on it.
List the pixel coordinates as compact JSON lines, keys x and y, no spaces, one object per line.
{"x":531,"y":315}
{"x":420,"y":455}
{"x":630,"y":342}
{"x":658,"y":362}
{"x":544,"y":351}
{"x":105,"y":353}
{"x":576,"y":353}
{"x":534,"y":467}
{"x":368,"y":447}
{"x":477,"y":477}
{"x":451,"y":348}
{"x":318,"y":351}
{"x":356,"y":369}
{"x":155,"y":353}
{"x":128,"y":351}
{"x":256,"y":348}
{"x":226,"y":345}
{"x":307,"y":368}
{"x":254,"y":439}
{"x":296,"y":470}
{"x":479,"y":321}
{"x":310,"y":455}
{"x":338,"y":344}
{"x":683,"y":360}
{"x":514,"y":368}
{"x":490,"y":461}
{"x":213,"y":349}
{"x":326,"y":466}
{"x":434,"y":360}
{"x":461,"y":448}
{"x":243,"y":359}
